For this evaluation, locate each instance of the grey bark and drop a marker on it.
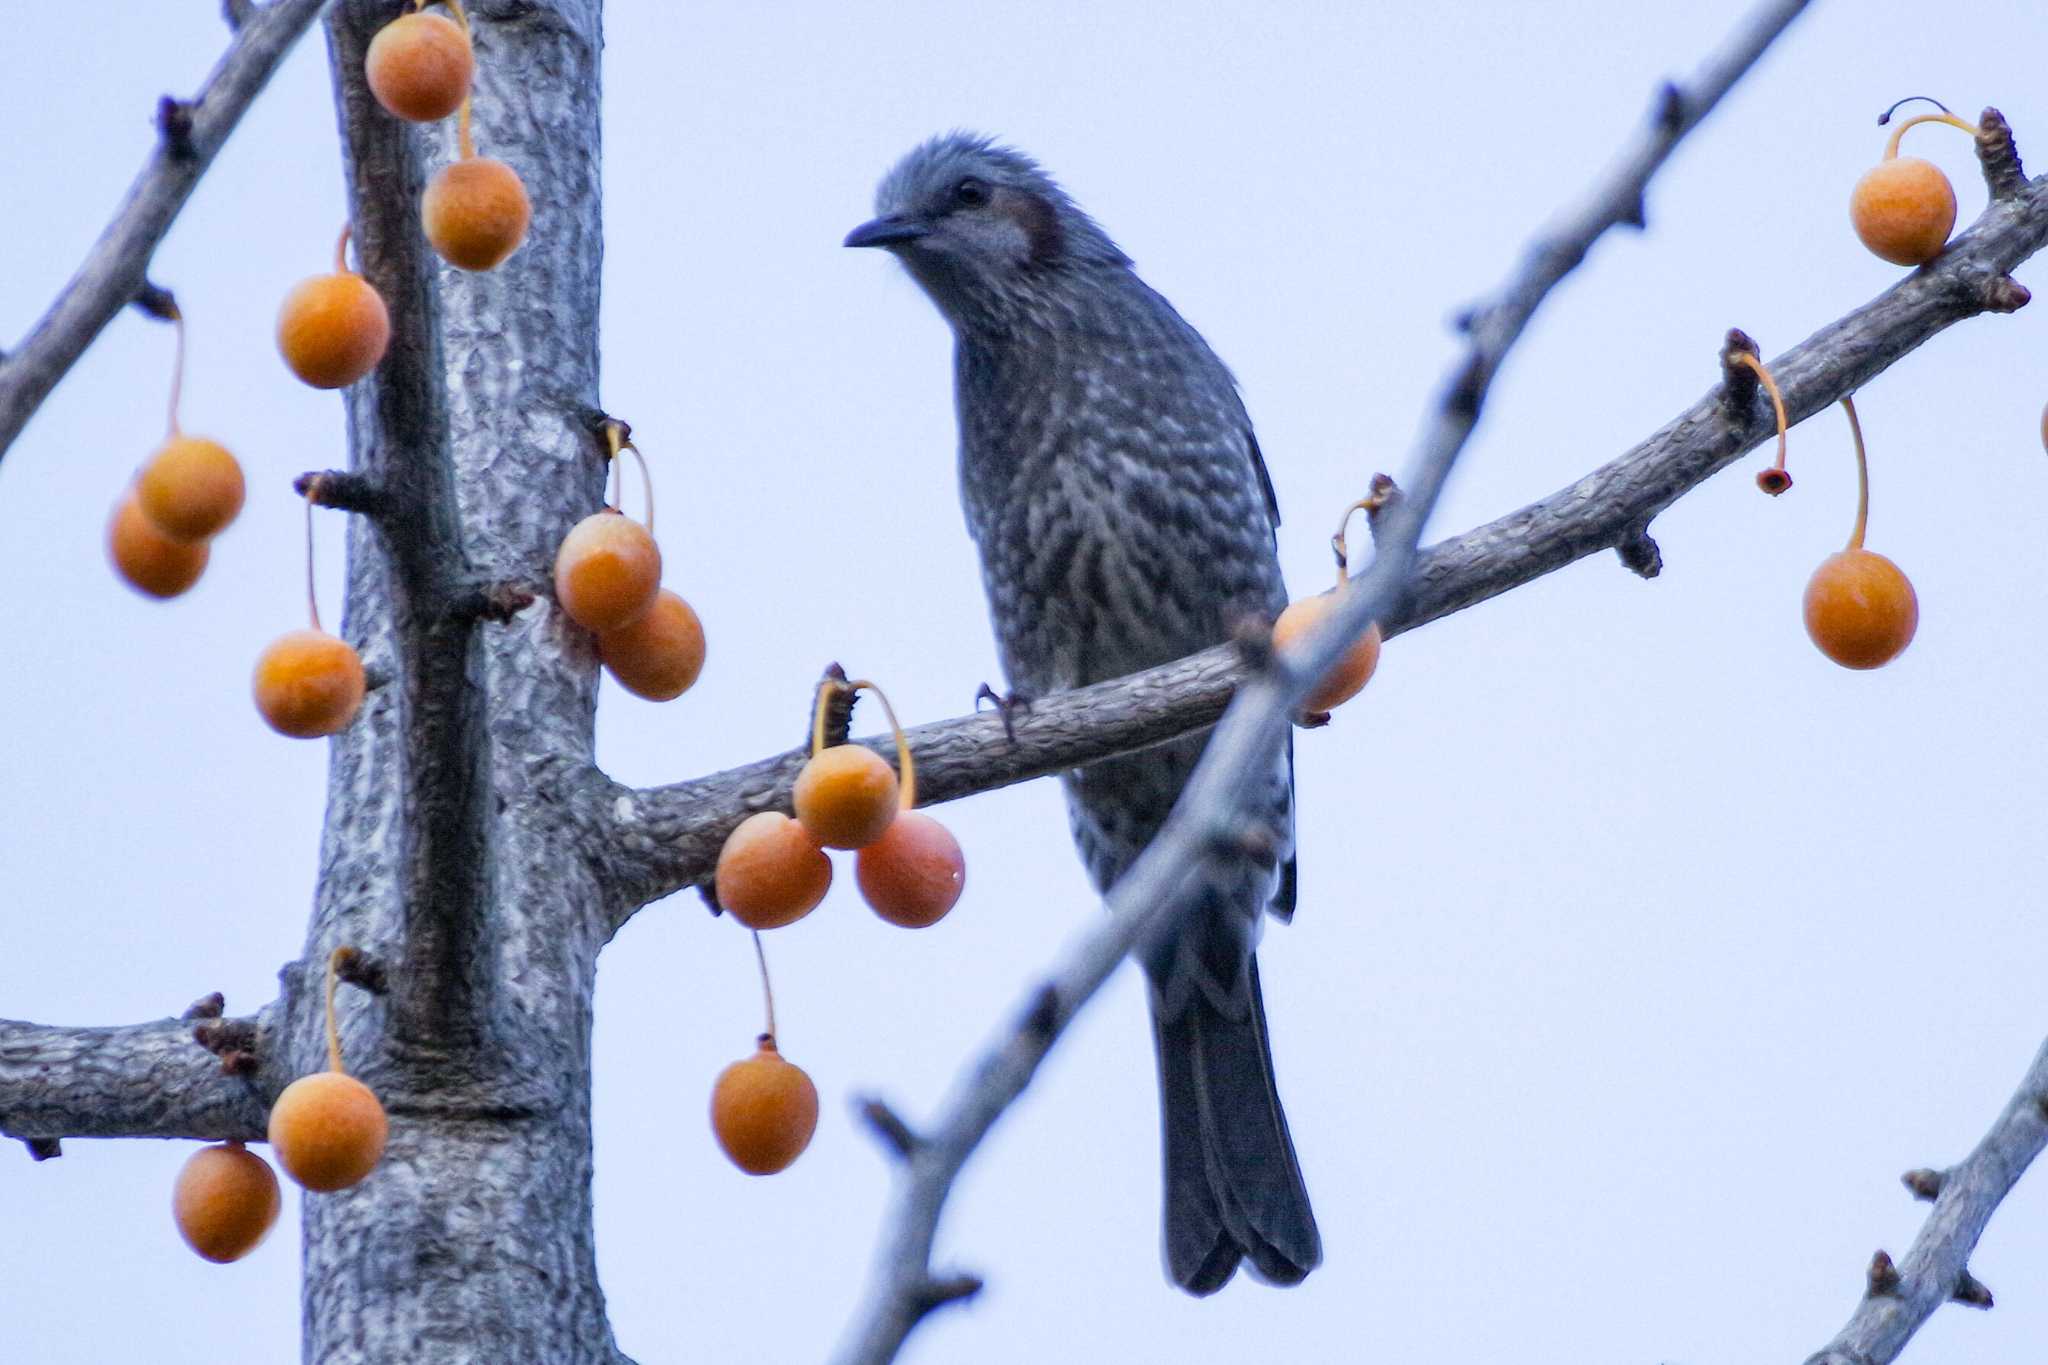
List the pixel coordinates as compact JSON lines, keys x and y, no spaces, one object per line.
{"x":1215,"y":821}
{"x":1898,"y":1299}
{"x":471,"y":844}
{"x":666,"y":838}
{"x":446,"y":850}
{"x":141,"y":1080}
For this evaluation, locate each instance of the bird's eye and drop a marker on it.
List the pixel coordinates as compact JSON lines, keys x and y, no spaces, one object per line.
{"x":970,"y":193}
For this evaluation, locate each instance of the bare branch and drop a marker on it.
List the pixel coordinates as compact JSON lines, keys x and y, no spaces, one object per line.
{"x":667,"y":838}
{"x":1158,"y":888}
{"x":139,"y":1080}
{"x":1936,"y":1270}
{"x":192,"y":135}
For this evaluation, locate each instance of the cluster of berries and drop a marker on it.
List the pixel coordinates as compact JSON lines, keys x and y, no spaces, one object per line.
{"x":328,"y":1130}
{"x":608,"y":580}
{"x":773,"y":870}
{"x":332,"y":330}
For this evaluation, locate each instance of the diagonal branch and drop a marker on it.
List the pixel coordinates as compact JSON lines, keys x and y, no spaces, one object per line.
{"x":1212,"y":823}
{"x":1936,"y":1270}
{"x":667,"y":838}
{"x":192,"y":135}
{"x":137,"y":1080}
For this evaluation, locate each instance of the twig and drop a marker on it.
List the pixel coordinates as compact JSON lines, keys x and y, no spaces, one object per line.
{"x":193,"y":133}
{"x":1161,"y":883}
{"x":340,"y":489}
{"x":1936,"y":1269}
{"x":666,"y":838}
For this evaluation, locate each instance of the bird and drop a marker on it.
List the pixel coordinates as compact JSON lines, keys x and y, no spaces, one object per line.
{"x":1124,"y":517}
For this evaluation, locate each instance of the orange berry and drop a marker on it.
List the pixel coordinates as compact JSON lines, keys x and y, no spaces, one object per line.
{"x":190,"y":489}
{"x":150,"y":561}
{"x":327,"y":1130}
{"x":763,"y":1111}
{"x":224,"y":1202}
{"x":308,"y":684}
{"x":846,"y":796}
{"x":419,"y":66}
{"x":914,"y":873}
{"x":333,"y":329}
{"x":659,"y":655}
{"x":1903,"y":210}
{"x":1349,"y":674}
{"x":608,"y":571}
{"x":475,"y":212}
{"x":1860,"y":609}
{"x":771,"y":872}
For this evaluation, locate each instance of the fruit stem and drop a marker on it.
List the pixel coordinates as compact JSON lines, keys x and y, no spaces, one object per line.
{"x":177,"y":368}
{"x":1891,"y":149}
{"x":614,"y":477}
{"x":906,"y":772}
{"x":767,"y":991}
{"x":1886,"y":116}
{"x":334,"y":961}
{"x":1773,"y":480}
{"x":646,"y":483}
{"x":462,"y":117}
{"x":341,"y":249}
{"x":828,"y":688}
{"x":1862,"y":476}
{"x":312,"y":599}
{"x":616,"y":437}
{"x":1340,"y":545}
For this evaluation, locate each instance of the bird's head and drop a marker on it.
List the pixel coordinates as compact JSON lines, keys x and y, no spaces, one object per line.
{"x":982,"y":228}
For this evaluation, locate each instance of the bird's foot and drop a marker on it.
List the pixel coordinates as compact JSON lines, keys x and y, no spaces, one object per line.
{"x":1005,"y":704}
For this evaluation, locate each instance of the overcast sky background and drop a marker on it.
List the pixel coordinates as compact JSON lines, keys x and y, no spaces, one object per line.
{"x":1640,"y":948}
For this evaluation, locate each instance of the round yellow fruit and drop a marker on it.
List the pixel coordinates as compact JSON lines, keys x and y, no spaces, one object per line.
{"x":327,"y":1130}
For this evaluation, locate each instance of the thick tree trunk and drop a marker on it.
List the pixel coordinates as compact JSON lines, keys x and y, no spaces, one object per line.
{"x":446,"y":850}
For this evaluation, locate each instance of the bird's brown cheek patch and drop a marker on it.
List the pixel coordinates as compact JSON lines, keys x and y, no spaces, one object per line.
{"x":1045,"y":240}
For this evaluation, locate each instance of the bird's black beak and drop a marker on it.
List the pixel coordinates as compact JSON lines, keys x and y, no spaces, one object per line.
{"x":894,"y":230}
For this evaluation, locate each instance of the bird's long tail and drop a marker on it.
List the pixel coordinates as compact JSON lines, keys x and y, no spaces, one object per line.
{"x":1233,"y":1189}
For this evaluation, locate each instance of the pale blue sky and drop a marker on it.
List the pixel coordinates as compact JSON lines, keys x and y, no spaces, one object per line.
{"x":1639,"y":949}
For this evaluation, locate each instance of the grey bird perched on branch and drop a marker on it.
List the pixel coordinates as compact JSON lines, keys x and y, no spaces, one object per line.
{"x":1124,"y":518}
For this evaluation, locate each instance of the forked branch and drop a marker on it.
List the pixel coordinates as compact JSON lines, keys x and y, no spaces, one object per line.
{"x":191,"y":134}
{"x":1212,"y":823}
{"x":1899,"y":1298}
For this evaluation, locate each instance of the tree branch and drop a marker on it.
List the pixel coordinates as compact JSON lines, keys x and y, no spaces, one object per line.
{"x":666,"y":838}
{"x":138,"y":1080}
{"x":1936,"y":1270}
{"x":112,"y":275}
{"x":1212,"y":824}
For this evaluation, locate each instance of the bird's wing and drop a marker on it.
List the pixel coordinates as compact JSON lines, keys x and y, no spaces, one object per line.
{"x":1265,"y":480}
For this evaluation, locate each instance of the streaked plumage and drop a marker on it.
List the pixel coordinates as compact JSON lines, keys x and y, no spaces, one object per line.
{"x":1121,"y":507}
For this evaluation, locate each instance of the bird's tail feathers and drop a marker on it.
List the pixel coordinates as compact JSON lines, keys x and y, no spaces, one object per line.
{"x":1233,"y":1188}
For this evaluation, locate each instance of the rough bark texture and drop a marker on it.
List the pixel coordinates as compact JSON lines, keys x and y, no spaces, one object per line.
{"x":445,"y":848}
{"x":1935,"y":1271}
{"x":472,"y":846}
{"x":142,"y":1080}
